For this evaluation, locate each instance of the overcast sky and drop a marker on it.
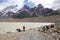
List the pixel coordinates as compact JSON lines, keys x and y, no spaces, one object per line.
{"x":30,"y":3}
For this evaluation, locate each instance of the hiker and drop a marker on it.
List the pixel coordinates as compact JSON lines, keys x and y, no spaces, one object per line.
{"x":52,"y":26}
{"x":18,"y":30}
{"x":24,"y":28}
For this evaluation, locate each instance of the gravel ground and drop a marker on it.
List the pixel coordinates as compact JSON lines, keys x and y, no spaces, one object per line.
{"x":28,"y":35}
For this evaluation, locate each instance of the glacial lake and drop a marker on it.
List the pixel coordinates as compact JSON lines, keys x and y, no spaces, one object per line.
{"x":12,"y":26}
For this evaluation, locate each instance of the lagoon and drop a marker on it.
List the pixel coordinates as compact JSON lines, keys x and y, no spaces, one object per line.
{"x":12,"y":26}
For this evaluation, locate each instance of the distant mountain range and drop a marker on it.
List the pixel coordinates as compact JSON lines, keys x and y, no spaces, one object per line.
{"x":26,"y":11}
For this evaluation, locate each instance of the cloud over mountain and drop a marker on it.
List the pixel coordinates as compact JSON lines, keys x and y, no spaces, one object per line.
{"x":30,"y":3}
{"x":4,"y":4}
{"x":46,"y":3}
{"x":56,"y":4}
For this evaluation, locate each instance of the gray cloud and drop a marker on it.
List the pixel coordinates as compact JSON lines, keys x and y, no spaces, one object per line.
{"x":56,"y":4}
{"x":56,"y":1}
{"x":20,"y":3}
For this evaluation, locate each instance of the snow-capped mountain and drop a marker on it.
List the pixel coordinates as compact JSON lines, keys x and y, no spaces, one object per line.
{"x":12,"y":8}
{"x":26,"y":11}
{"x":9,"y":10}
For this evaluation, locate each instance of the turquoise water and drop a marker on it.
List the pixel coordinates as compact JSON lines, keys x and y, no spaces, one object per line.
{"x":12,"y":26}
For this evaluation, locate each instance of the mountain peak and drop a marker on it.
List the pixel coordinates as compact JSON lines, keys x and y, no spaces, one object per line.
{"x":10,"y":8}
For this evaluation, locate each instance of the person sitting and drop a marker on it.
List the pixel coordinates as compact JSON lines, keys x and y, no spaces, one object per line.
{"x":18,"y":30}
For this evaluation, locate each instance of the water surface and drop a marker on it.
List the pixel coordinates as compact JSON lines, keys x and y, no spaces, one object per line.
{"x":12,"y":26}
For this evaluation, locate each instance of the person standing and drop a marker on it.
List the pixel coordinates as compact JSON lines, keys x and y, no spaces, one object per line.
{"x":24,"y":28}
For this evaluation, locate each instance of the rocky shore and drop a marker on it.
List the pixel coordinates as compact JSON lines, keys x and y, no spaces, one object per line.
{"x":33,"y":34}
